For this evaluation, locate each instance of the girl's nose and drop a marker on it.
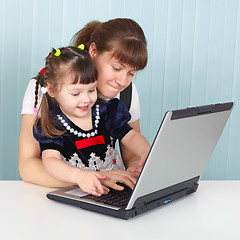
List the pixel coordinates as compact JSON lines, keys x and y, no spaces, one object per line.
{"x":84,"y":97}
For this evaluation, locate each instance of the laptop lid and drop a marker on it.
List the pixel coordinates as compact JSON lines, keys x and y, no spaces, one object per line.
{"x":179,"y":154}
{"x":182,"y":147}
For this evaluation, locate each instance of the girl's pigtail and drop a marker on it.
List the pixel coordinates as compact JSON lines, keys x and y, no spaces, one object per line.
{"x":46,"y":120}
{"x":35,"y":110}
{"x":47,"y":66}
{"x":44,"y":109}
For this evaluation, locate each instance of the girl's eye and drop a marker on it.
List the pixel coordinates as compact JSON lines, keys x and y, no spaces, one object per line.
{"x":75,"y":94}
{"x":92,"y":90}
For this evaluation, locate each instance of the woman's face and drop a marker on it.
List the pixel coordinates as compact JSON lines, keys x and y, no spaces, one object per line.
{"x":113,"y":76}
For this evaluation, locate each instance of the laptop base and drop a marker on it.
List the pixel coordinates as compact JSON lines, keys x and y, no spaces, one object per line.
{"x":141,"y":206}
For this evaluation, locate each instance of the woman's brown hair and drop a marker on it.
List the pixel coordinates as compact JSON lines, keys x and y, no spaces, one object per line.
{"x":123,"y":36}
{"x":71,"y":60}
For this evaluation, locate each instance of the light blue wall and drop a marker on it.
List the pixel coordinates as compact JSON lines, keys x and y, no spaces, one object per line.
{"x":194,"y":59}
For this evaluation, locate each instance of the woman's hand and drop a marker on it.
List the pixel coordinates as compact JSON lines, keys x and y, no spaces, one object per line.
{"x":139,"y":165}
{"x":128,"y":178}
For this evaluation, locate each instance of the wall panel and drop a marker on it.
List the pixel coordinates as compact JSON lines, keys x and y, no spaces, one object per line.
{"x":194,"y":59}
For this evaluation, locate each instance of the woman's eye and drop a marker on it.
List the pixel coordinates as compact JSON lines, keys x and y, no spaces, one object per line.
{"x":116,"y":68}
{"x":75,"y":94}
{"x":132,"y":74}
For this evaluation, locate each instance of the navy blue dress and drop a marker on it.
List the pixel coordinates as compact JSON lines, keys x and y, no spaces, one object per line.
{"x":93,"y":149}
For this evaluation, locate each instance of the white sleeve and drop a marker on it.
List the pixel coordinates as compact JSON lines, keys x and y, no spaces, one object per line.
{"x":135,"y":110}
{"x":29,"y":98}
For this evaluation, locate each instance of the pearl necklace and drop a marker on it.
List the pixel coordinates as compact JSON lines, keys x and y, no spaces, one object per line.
{"x":78,"y":133}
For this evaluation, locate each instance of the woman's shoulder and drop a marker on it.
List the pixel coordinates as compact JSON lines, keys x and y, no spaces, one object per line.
{"x":135,"y":109}
{"x":135,"y":97}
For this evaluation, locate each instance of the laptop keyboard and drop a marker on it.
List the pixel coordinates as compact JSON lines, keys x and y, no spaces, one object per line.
{"x":114,"y":197}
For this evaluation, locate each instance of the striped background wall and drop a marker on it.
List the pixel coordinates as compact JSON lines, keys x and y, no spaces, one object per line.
{"x":194,"y":59}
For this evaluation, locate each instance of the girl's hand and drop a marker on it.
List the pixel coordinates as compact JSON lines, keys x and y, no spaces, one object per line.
{"x":113,"y":177}
{"x":89,"y":182}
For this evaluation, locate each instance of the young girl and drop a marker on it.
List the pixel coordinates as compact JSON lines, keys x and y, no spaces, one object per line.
{"x":118,"y":49}
{"x":77,"y":135}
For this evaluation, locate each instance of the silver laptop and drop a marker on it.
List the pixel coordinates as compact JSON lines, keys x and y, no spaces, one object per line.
{"x":179,"y":154}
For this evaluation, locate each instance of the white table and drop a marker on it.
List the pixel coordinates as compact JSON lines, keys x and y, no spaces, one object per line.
{"x":212,"y":213}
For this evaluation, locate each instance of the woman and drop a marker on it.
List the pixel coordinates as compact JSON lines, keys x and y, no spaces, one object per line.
{"x":118,"y":49}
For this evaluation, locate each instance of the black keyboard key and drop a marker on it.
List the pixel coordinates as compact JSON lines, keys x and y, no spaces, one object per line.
{"x":114,"y":197}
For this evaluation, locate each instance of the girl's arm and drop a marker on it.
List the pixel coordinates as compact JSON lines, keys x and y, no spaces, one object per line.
{"x":88,"y":181}
{"x":30,"y":164}
{"x":136,"y":147}
{"x":131,"y":160}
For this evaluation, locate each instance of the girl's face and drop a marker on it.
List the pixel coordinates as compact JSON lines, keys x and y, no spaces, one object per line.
{"x":113,"y":76}
{"x":76,"y":100}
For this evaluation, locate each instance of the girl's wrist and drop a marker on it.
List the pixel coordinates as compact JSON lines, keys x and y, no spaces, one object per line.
{"x":75,"y":175}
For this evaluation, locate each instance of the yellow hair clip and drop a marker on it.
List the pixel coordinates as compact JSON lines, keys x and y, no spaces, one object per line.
{"x":81,"y":46}
{"x":57,"y":53}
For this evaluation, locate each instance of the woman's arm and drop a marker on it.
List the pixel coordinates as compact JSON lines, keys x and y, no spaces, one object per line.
{"x":30,"y":165}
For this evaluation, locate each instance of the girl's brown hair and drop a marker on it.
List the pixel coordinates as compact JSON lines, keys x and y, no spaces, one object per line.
{"x":123,"y":36}
{"x":71,"y":60}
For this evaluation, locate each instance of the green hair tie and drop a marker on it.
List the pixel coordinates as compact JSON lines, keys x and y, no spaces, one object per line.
{"x":81,"y":46}
{"x":57,"y":53}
